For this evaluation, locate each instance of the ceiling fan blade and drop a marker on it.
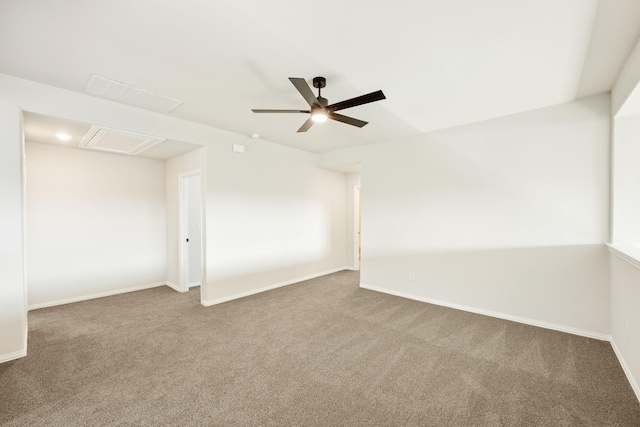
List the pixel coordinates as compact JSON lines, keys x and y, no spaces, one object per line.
{"x":306,"y":125}
{"x":364,"y":99}
{"x":255,"y":110}
{"x":345,"y":119}
{"x":305,"y":91}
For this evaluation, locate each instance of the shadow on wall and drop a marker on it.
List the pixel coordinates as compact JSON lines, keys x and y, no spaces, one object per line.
{"x":563,"y":285}
{"x":221,"y":289}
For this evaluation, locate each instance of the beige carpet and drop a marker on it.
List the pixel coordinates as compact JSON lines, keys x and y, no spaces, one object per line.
{"x":319,"y":353}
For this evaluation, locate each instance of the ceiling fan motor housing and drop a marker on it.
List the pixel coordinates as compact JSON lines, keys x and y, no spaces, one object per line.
{"x":319,"y":82}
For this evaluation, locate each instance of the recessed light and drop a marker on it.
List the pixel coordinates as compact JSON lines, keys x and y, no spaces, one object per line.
{"x":63,"y":136}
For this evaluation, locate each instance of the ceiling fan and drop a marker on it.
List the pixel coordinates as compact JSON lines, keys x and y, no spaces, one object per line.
{"x":320,"y":109}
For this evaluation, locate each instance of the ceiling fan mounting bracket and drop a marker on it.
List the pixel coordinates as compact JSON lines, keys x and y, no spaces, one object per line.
{"x":319,"y":82}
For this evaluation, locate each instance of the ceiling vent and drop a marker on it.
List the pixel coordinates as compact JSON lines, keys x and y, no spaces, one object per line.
{"x":118,"y":141}
{"x":116,"y":91}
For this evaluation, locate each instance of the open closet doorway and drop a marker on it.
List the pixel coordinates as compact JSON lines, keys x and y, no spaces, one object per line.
{"x":357,"y":230}
{"x":190,"y":226}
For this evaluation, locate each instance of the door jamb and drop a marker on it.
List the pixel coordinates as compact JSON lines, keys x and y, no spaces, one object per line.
{"x":183,"y":253}
{"x":357,"y":203}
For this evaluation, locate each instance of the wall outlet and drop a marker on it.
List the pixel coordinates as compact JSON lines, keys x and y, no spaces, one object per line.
{"x":412,"y":276}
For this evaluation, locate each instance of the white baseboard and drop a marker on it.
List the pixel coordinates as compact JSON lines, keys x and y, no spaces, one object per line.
{"x":208,"y":303}
{"x":173,"y":286}
{"x":93,"y":296}
{"x":526,"y":321}
{"x":17,"y":354}
{"x":625,"y":368}
{"x":13,"y":356}
{"x":177,"y":288}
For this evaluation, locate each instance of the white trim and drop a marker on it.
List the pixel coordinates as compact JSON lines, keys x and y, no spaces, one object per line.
{"x":192,"y":172}
{"x":94,"y":296}
{"x":25,"y":283}
{"x":183,"y":253}
{"x":357,"y":203}
{"x":625,"y":368}
{"x":630,"y":254}
{"x":194,"y":284}
{"x":12,"y":356}
{"x":268,"y":288}
{"x":526,"y":321}
{"x":16,"y":354}
{"x":172,"y":286}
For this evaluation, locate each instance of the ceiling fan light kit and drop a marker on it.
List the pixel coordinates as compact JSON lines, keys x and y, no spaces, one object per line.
{"x":319,"y":115}
{"x":320,"y":109}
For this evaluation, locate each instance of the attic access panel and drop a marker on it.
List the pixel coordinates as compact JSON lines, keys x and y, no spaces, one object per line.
{"x":118,"y":141}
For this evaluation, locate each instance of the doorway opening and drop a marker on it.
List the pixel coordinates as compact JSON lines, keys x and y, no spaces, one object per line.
{"x":190,"y":230}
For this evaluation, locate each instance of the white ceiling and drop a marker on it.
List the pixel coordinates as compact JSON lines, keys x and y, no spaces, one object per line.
{"x":440,"y":63}
{"x":43,"y":129}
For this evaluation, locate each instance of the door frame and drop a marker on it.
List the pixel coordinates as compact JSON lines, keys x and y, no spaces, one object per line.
{"x":357,"y":227}
{"x":183,"y":252}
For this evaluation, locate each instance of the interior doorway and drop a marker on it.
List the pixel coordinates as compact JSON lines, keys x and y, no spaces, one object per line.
{"x":190,"y":226}
{"x":357,"y":229}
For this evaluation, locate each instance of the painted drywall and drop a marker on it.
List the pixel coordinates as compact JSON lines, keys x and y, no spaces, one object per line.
{"x":625,"y":178}
{"x":95,"y":223}
{"x":624,"y":263}
{"x":627,"y":82}
{"x":52,"y":101}
{"x":560,"y":287}
{"x":296,"y":210}
{"x":509,"y":216}
{"x":13,"y":308}
{"x":272,"y":217}
{"x":353,"y":180}
{"x":625,"y":316}
{"x":193,"y":160}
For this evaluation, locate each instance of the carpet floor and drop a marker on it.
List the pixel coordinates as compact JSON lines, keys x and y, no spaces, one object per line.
{"x":318,"y":353}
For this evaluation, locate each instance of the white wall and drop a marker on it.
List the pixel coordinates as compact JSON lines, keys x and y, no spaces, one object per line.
{"x":95,"y":223}
{"x":13,"y":301}
{"x":625,"y":316}
{"x":174,"y":167}
{"x":273,"y":217}
{"x":627,"y":82}
{"x":276,"y":217}
{"x":625,"y":250}
{"x":626,"y":181}
{"x":507,"y":216}
{"x":353,"y":180}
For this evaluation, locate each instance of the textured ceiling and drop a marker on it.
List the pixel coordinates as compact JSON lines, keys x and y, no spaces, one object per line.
{"x":441,"y":63}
